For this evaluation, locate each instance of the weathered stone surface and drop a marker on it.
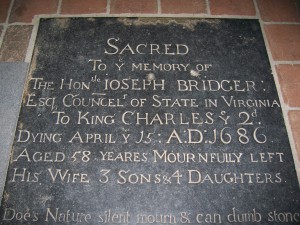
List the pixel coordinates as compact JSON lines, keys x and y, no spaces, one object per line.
{"x":150,"y":121}
{"x":12,"y":77}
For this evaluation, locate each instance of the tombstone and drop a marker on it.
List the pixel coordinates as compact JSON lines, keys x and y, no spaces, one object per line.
{"x":150,"y":121}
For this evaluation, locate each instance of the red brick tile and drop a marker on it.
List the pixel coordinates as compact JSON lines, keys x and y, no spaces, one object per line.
{"x":232,"y":7}
{"x":279,"y":10}
{"x":289,"y":79}
{"x":133,"y":6}
{"x":294,"y":118}
{"x":25,"y":10}
{"x":15,"y":43}
{"x":284,"y":41}
{"x":183,"y":6}
{"x":86,"y":6}
{"x":4,"y":6}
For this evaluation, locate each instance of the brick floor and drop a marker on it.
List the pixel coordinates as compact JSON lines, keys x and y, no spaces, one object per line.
{"x":4,"y":6}
{"x":232,"y":7}
{"x":294,"y":117}
{"x":25,"y":10}
{"x":183,"y":6}
{"x":289,"y":78}
{"x":83,"y":7}
{"x":284,"y":41}
{"x":133,"y":6}
{"x":279,"y":10}
{"x":15,"y":43}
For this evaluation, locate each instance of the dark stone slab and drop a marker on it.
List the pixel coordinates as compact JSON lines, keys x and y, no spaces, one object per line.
{"x":12,"y":78}
{"x":150,"y":121}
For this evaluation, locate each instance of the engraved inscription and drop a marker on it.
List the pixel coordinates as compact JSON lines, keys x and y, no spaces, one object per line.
{"x":152,"y":123}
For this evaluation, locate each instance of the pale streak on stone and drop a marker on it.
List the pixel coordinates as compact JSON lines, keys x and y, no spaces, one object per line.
{"x":194,"y":73}
{"x":185,"y":22}
{"x":150,"y":76}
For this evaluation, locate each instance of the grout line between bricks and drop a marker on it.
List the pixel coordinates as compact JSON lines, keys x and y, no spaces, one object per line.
{"x":284,"y":107}
{"x":287,"y":62}
{"x":184,"y":15}
{"x":59,"y":7}
{"x":9,"y":11}
{"x":20,"y":24}
{"x":108,"y":6}
{"x":257,"y":12}
{"x":158,"y":6}
{"x":2,"y":35}
{"x":281,"y":23}
{"x":208,"y":7}
{"x":293,"y":108}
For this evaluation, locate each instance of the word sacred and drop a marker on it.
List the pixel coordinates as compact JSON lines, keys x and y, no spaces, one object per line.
{"x":144,"y":48}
